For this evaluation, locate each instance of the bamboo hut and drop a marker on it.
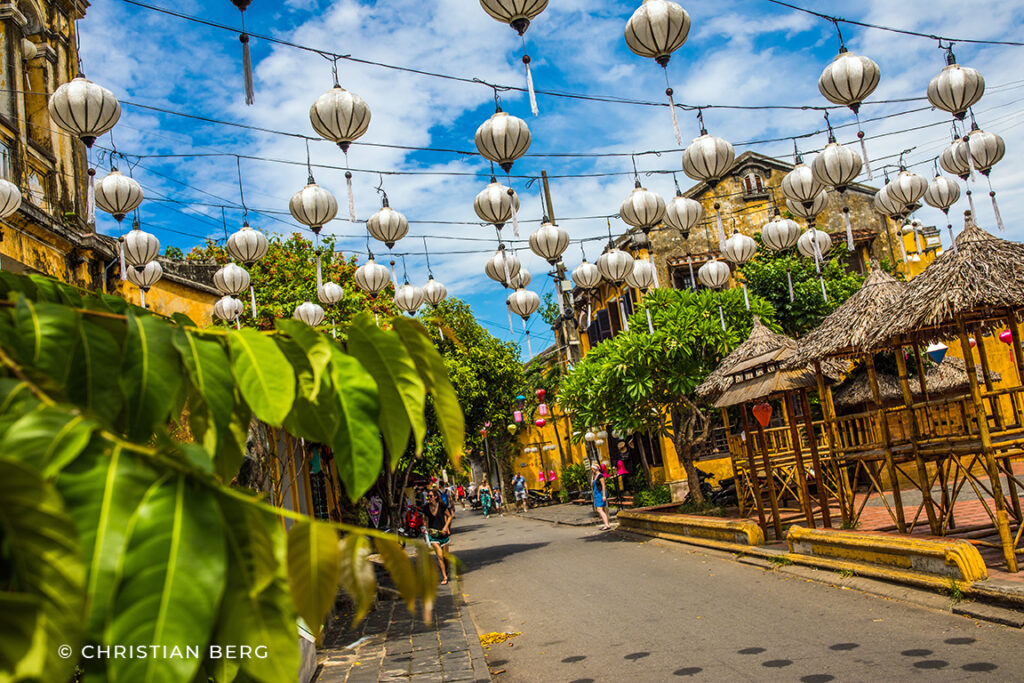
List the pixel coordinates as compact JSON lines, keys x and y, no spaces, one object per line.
{"x":948,"y":378}
{"x":978,"y":287}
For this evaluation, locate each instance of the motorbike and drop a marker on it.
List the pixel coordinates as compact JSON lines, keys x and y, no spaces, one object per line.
{"x":723,"y":496}
{"x":412,"y":522}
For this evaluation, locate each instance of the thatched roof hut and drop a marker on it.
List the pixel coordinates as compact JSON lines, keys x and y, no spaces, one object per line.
{"x":845,"y":332}
{"x":946,"y":378}
{"x":981,"y":284}
{"x":764,"y":375}
{"x":761,"y":341}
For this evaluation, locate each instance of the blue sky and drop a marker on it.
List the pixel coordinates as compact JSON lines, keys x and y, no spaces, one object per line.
{"x":746,"y":52}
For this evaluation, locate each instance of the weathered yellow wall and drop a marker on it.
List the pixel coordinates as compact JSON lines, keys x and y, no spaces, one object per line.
{"x":167,"y":297}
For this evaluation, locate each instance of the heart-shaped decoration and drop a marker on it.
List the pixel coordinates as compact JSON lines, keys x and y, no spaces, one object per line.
{"x":763,"y":413}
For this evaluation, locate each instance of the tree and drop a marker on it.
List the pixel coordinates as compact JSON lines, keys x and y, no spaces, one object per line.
{"x":286,"y":277}
{"x":638,"y":382}
{"x":549,"y":310}
{"x":765,"y":276}
{"x":112,"y":531}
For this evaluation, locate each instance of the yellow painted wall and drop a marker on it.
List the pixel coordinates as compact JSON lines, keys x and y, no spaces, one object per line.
{"x":167,"y":297}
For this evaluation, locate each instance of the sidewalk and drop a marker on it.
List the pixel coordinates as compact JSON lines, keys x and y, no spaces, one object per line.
{"x":391,"y":645}
{"x":567,"y":513}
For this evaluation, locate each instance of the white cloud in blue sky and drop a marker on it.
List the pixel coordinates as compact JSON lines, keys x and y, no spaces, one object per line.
{"x":749,"y":52}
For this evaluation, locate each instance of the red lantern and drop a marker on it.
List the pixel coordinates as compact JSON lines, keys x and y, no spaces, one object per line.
{"x":763,"y":413}
{"x":541,"y":476}
{"x":604,"y":469}
{"x":552,"y":476}
{"x":972,"y":342}
{"x":1006,"y":337}
{"x":543,"y":409}
{"x":483,"y":432}
{"x":540,"y":422}
{"x":540,"y":394}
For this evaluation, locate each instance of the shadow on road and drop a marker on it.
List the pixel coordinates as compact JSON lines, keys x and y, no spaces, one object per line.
{"x":612,"y":537}
{"x":481,"y":557}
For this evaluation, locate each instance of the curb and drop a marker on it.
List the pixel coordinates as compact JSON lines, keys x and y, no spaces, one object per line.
{"x":481,"y":670}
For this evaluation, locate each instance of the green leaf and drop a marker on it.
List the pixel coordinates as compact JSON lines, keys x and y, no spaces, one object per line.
{"x":39,"y":538}
{"x":150,"y":374}
{"x":399,"y":566}
{"x":94,"y":383}
{"x":264,"y":375}
{"x":102,"y":489}
{"x":47,"y":439}
{"x":315,"y":344}
{"x":356,"y":574}
{"x":300,"y":366}
{"x":317,"y":420}
{"x":45,"y":338}
{"x":18,"y":634}
{"x":210,"y":373}
{"x":257,"y":608}
{"x":426,"y":574}
{"x":182,"y":320}
{"x":358,"y":455}
{"x":402,"y":392}
{"x":16,"y":400}
{"x":430,"y":366}
{"x":314,"y":565}
{"x":170,"y":581}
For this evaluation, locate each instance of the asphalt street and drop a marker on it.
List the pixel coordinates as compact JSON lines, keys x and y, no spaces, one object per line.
{"x":601,"y":606}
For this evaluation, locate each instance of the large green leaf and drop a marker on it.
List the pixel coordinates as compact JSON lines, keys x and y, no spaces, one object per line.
{"x":264,"y":375}
{"x":357,"y":577}
{"x":314,"y":566}
{"x":208,"y":368}
{"x":47,"y":439}
{"x":102,"y":489}
{"x":19,"y":660}
{"x":315,"y":345}
{"x":150,"y":374}
{"x":430,"y":366}
{"x":170,"y":581}
{"x":257,"y":608}
{"x":316,"y":420}
{"x":300,"y":365}
{"x":16,"y":399}
{"x":94,"y":381}
{"x":42,"y":560}
{"x":402,"y":393}
{"x":45,"y":338}
{"x":399,"y":566}
{"x":358,"y":455}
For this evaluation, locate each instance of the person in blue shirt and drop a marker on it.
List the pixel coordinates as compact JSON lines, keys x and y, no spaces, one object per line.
{"x":521,"y":492}
{"x":600,"y":495}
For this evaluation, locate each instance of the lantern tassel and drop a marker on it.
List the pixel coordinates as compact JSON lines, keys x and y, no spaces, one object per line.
{"x":789,"y":281}
{"x":529,"y":346}
{"x":864,"y":152}
{"x":334,"y":329}
{"x":250,"y":91}
{"x":693,"y":280}
{"x":903,"y":248}
{"x":675,"y":119}
{"x":238,"y":323}
{"x":252,"y":300}
{"x":650,"y":324}
{"x":721,"y":316}
{"x":824,"y":294}
{"x":142,"y":298}
{"x":120,"y":252}
{"x":917,"y":242}
{"x":721,"y":229}
{"x":529,"y":87}
{"x":849,"y":226}
{"x":508,"y":309}
{"x":319,"y":274}
{"x":970,"y":200}
{"x":622,"y":314}
{"x":90,"y":199}
{"x":952,"y":239}
{"x":515,"y":218}
{"x":351,"y":193}
{"x":746,"y":297}
{"x":995,"y":207}
{"x":654,"y":269}
{"x":589,"y":313}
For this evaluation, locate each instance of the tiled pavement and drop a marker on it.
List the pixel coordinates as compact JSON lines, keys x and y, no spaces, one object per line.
{"x":392,"y":645}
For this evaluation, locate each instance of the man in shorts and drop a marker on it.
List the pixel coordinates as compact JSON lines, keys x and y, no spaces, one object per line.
{"x":519,"y":487}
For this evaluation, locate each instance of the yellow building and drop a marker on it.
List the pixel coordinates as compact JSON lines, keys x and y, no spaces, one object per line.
{"x":49,"y":234}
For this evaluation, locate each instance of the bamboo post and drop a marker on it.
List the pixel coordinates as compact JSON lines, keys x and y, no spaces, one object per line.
{"x":1018,"y":356}
{"x":770,"y":477}
{"x":890,"y":464}
{"x":819,"y":476}
{"x":838,"y":463}
{"x":920,"y":371}
{"x":1002,"y":520}
{"x":752,"y":467}
{"x":732,"y":457}
{"x":986,"y":373}
{"x":794,"y":435}
{"x":915,"y":435}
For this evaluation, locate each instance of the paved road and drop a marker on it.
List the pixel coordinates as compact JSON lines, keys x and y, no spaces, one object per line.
{"x":597,"y":606}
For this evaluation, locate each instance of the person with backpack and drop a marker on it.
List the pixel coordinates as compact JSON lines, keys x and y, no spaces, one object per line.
{"x":522,"y":493}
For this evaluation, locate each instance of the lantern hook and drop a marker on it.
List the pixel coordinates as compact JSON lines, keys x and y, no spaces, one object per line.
{"x":241,"y":192}
{"x":842,"y":45}
{"x":675,"y":181}
{"x":948,"y":47}
{"x":380,"y":189}
{"x":636,"y":177}
{"x":700,"y":120}
{"x":828,"y":124}
{"x":426,"y":254}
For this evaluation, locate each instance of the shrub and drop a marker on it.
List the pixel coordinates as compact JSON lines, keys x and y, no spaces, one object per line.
{"x":660,"y":495}
{"x":574,"y":477}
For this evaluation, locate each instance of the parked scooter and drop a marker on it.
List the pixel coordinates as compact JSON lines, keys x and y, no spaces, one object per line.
{"x":412,"y":522}
{"x":723,"y":496}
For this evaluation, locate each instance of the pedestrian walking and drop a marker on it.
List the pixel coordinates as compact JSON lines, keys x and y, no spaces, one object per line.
{"x":520,"y":489}
{"x":460,"y":493}
{"x":471,"y":493}
{"x":600,"y":495}
{"x":438,"y":525}
{"x":486,"y":498}
{"x":499,"y":502}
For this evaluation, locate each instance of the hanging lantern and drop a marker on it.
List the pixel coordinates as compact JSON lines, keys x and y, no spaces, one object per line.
{"x":515,"y":13}
{"x":520,"y":279}
{"x":936,"y":352}
{"x":496,"y":204}
{"x":330,"y":293}
{"x":10,"y":198}
{"x":763,"y":413}
{"x":906,"y":188}
{"x":956,"y":159}
{"x":117,"y":194}
{"x":806,"y":243}
{"x":800,"y":185}
{"x":956,"y":88}
{"x":809,"y":211}
{"x":590,"y":436}
{"x":409,"y":298}
{"x":502,"y":267}
{"x":615,"y":265}
{"x":986,"y":149}
{"x":313,"y":206}
{"x":942,"y":193}
{"x":310,"y":313}
{"x":683,"y":214}
{"x":1006,"y":337}
{"x":642,"y":209}
{"x":642,"y":275}
{"x":371,"y":277}
{"x":140,"y":248}
{"x":849,"y":79}
{"x":714,"y":274}
{"x":780,"y":233}
{"x":434,"y":292}
{"x":228,"y":308}
{"x":586,"y":275}
{"x":145,"y":278}
{"x":523,"y":303}
{"x":247,"y":245}
{"x":887,"y":206}
{"x":549,"y":242}
{"x":84,"y":109}
{"x":541,"y":393}
{"x":708,"y":158}
{"x":511,"y":428}
{"x":542,"y":409}
{"x":503,"y":139}
{"x":540,"y":422}
{"x":657,"y":29}
{"x":231,"y":279}
{"x":387,"y":225}
{"x":836,"y":166}
{"x":739,"y":248}
{"x":340,"y":116}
